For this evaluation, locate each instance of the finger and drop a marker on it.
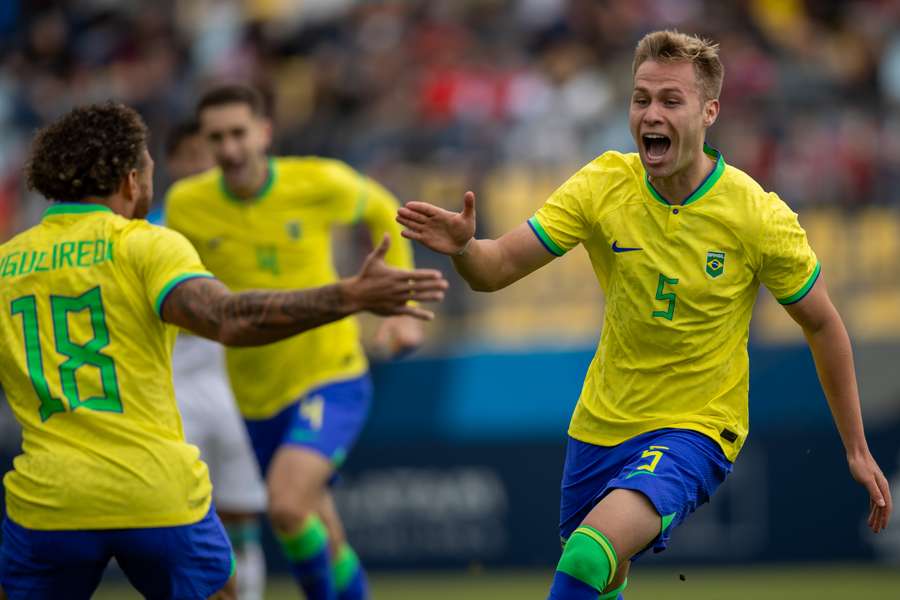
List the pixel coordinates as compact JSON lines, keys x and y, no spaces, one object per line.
{"x":410,"y":215}
{"x":430,"y":296}
{"x":380,"y":252}
{"x":885,"y":488}
{"x":416,"y":236}
{"x":877,"y":519}
{"x":415,"y":312}
{"x":419,"y":275}
{"x":469,"y":205}
{"x":429,"y":210}
{"x":424,"y":287}
{"x":883,"y":517}
{"x":414,"y":226}
{"x":409,"y":223}
{"x":421,"y":289}
{"x":875,"y":493}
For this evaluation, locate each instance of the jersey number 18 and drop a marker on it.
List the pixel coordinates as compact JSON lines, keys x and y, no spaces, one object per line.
{"x":78,"y":355}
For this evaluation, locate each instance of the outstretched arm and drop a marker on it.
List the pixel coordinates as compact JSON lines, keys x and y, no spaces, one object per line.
{"x":207,"y":308}
{"x":486,"y":265}
{"x":833,"y":355}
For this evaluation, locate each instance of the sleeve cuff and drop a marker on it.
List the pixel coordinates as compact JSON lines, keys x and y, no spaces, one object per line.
{"x":173,"y":283}
{"x":803,"y":291}
{"x":551,"y":246}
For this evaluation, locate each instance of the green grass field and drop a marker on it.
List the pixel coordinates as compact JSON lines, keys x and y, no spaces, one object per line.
{"x":815,"y":582}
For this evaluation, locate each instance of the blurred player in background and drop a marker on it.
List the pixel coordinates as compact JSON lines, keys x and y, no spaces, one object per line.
{"x":89,"y":295}
{"x":679,"y":242}
{"x":266,"y":222}
{"x":208,"y":410}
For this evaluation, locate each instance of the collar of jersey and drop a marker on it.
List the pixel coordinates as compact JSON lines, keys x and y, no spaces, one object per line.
{"x":74,"y":208}
{"x":704,"y":186}
{"x":267,"y":186}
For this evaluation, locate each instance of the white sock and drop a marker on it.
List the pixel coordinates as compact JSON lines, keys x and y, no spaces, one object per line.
{"x":251,"y":570}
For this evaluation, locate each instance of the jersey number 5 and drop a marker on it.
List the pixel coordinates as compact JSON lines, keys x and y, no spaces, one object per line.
{"x":670,"y":297}
{"x":78,"y":355}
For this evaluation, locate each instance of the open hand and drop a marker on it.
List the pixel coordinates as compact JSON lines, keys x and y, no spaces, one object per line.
{"x":866,"y":471}
{"x":385,"y":290}
{"x":440,"y":230}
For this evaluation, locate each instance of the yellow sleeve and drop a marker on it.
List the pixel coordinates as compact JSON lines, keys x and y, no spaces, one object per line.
{"x":788,"y":266}
{"x":362,"y":199}
{"x":161,"y":259}
{"x":561,"y":223}
{"x":173,"y":213}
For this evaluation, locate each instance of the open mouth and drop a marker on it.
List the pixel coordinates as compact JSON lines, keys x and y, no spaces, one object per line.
{"x":655,"y":145}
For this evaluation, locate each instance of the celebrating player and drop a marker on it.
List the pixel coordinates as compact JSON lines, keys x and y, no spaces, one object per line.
{"x":679,"y":242}
{"x":88,"y":297}
{"x":266,"y":222}
{"x":208,"y":411}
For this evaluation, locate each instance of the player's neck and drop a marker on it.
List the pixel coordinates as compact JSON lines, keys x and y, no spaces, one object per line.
{"x":115,"y":202}
{"x":253,"y":185}
{"x":679,"y":186}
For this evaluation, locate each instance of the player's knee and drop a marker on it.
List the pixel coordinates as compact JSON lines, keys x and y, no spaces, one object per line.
{"x":589,"y":557}
{"x":287,"y":517}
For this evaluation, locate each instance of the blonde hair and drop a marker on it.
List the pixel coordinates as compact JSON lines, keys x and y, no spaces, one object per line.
{"x":672,"y":46}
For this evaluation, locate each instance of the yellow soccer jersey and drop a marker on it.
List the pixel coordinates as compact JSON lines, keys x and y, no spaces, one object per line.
{"x":281,"y":239}
{"x":680,"y":283}
{"x":86,"y":365}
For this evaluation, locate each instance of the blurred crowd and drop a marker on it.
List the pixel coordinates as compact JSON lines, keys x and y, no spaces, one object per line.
{"x":811,"y":105}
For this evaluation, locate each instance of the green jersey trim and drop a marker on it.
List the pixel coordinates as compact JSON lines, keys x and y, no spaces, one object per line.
{"x":74,"y":208}
{"x":259,"y":195}
{"x":802,"y":292}
{"x":704,"y":186}
{"x":545,"y":239}
{"x":161,"y":298}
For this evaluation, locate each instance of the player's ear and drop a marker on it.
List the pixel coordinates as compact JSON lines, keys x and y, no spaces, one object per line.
{"x":710,"y":112}
{"x":266,"y":125}
{"x":131,"y":186}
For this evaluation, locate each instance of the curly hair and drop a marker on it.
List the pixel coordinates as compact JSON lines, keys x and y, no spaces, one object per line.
{"x":86,"y":153}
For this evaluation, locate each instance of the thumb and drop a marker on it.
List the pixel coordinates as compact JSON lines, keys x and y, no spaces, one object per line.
{"x":381,"y":251}
{"x":469,"y":205}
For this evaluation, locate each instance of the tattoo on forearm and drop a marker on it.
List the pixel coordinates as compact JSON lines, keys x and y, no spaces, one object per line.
{"x":209,"y":309}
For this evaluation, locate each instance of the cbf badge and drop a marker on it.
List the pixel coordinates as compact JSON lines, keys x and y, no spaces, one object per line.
{"x":715,"y":263}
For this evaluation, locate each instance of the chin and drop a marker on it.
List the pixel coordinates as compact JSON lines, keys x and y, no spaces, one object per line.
{"x":657,"y":170}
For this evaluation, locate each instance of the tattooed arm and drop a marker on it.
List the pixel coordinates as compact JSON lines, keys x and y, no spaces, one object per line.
{"x":207,"y":307}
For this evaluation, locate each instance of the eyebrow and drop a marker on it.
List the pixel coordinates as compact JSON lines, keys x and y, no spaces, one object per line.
{"x":667,"y":89}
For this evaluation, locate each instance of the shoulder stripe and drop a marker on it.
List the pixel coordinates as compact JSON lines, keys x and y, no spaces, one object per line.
{"x":545,"y":239}
{"x":802,"y":292}
{"x":167,"y":289}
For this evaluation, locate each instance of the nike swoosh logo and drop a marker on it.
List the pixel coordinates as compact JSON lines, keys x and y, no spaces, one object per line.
{"x":616,"y":248}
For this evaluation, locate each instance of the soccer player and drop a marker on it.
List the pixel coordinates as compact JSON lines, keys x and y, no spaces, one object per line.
{"x":89,"y":297}
{"x":208,"y":410}
{"x":258,"y":221}
{"x":680,"y":242}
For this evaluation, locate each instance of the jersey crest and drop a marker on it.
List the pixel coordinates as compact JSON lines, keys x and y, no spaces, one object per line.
{"x":715,"y":263}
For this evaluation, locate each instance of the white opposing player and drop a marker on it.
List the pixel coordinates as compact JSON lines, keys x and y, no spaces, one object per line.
{"x":209,"y":413}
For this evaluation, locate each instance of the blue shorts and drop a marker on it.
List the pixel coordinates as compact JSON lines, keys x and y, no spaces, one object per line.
{"x":327,"y":419}
{"x":677,"y":469}
{"x":187,"y":562}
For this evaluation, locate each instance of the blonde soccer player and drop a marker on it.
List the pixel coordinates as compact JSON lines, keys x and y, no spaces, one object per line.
{"x":680,"y":242}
